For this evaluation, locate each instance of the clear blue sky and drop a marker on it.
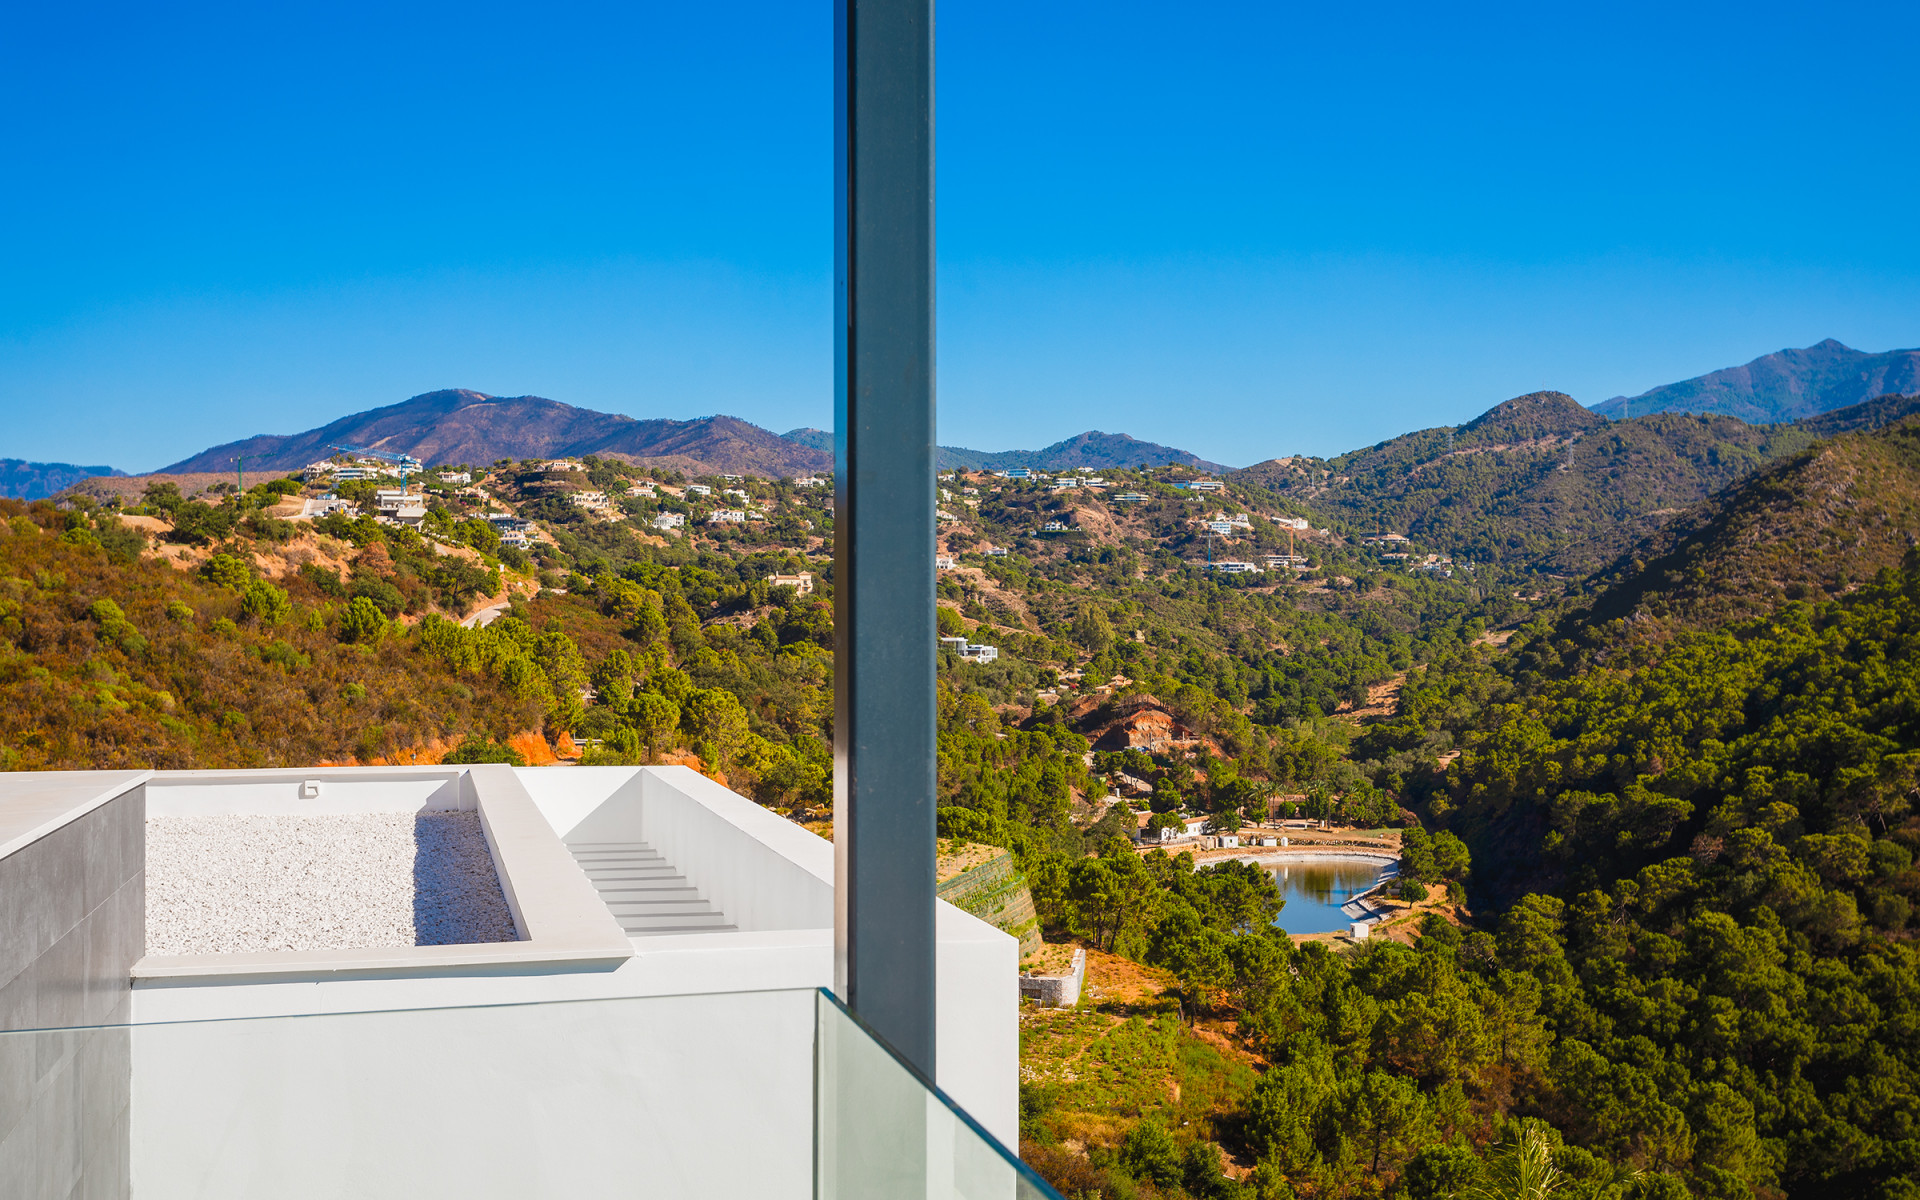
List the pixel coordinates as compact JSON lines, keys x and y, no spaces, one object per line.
{"x":1245,"y":229}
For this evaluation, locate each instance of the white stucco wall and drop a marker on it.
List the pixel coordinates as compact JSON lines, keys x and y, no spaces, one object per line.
{"x":716,"y":1027}
{"x":682,"y":1096}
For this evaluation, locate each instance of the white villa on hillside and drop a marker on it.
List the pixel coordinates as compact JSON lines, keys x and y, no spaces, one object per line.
{"x":801,"y":583}
{"x":971,"y":651}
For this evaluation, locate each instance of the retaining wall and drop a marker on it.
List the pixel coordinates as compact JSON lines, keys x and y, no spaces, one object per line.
{"x":998,"y":895}
{"x":1056,"y":991}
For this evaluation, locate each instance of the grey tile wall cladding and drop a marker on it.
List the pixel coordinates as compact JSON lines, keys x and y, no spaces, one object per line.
{"x":72,"y":922}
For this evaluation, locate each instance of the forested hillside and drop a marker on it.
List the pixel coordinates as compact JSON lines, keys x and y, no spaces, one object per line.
{"x":1660,"y":819}
{"x":1538,"y":481}
{"x":1820,"y":522}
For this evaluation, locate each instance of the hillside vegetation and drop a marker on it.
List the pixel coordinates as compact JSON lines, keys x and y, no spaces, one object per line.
{"x":1538,"y":481}
{"x":1660,"y":823}
{"x":1821,"y":522}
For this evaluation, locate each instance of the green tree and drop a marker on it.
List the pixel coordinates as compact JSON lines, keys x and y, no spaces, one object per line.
{"x":1387,"y":1113}
{"x":228,"y":571}
{"x":1149,"y":1153}
{"x":362,"y":621}
{"x":715,"y":717}
{"x":653,"y":716}
{"x":477,"y":749}
{"x":265,"y":603}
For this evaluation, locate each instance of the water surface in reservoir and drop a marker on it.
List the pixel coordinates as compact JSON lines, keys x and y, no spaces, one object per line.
{"x":1315,"y":891}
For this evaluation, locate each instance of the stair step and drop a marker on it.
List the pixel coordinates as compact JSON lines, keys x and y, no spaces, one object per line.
{"x":677,"y":883}
{"x":646,"y":931}
{"x":645,"y":893}
{"x":678,"y":908}
{"x":673,"y":921}
{"x":655,"y":905}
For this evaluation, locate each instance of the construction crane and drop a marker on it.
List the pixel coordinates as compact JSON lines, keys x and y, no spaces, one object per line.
{"x":406,"y":462}
{"x":240,"y":470}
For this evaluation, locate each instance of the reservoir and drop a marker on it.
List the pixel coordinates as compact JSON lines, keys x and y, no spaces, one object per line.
{"x":1316,"y":889}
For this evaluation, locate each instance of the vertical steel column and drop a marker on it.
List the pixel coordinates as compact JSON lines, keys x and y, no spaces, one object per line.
{"x":884,"y":716}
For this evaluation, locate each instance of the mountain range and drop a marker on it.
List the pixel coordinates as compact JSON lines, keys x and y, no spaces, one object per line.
{"x":1813,"y":524}
{"x":459,"y":426}
{"x":1795,"y":387}
{"x":1093,"y":449}
{"x":24,"y":480}
{"x":1540,"y":480}
{"x":1787,"y":385}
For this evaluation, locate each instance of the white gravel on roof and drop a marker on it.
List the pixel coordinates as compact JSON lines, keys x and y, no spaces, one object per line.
{"x":226,"y":884}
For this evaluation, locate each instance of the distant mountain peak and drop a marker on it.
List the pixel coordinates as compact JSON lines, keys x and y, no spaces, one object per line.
{"x":1533,"y":416}
{"x":23,"y":480}
{"x":1787,"y":385}
{"x":1093,"y":449}
{"x":456,"y":425}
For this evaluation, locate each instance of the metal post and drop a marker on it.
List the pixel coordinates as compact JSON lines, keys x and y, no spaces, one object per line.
{"x":884,"y":714}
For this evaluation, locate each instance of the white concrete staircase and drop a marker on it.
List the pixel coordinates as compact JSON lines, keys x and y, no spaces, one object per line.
{"x":644,"y":892}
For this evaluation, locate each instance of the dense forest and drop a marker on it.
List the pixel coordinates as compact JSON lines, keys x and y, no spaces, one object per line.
{"x":1671,"y":803}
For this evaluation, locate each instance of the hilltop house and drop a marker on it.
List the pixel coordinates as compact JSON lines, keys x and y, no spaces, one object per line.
{"x":1234,"y":568}
{"x":802,"y":583}
{"x":1190,"y":827}
{"x":400,"y":507}
{"x":314,"y":507}
{"x":699,"y":489}
{"x":943,"y":562}
{"x":670,"y":521}
{"x":727,"y":516}
{"x":516,"y":532}
{"x":971,"y":651}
